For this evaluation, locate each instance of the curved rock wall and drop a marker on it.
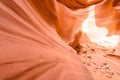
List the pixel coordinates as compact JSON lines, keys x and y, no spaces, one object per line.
{"x":33,"y":35}
{"x":31,"y":49}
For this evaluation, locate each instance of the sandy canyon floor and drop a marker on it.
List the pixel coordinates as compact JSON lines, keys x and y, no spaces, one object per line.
{"x":103,"y":63}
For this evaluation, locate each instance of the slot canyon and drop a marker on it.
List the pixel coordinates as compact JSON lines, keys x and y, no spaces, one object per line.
{"x":59,"y":39}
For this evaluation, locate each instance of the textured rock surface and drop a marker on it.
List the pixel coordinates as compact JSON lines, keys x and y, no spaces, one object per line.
{"x":31,"y":49}
{"x":33,"y":36}
{"x":102,"y":62}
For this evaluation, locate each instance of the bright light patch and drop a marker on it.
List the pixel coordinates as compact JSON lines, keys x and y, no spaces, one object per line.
{"x":89,"y":0}
{"x":96,"y":34}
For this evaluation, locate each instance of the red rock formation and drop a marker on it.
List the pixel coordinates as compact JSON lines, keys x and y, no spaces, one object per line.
{"x":103,"y":7}
{"x":78,"y":4}
{"x":108,"y":16}
{"x":33,"y":36}
{"x":30,"y":48}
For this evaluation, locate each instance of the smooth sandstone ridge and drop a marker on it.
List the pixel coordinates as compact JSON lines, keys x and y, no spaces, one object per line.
{"x":34,"y":37}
